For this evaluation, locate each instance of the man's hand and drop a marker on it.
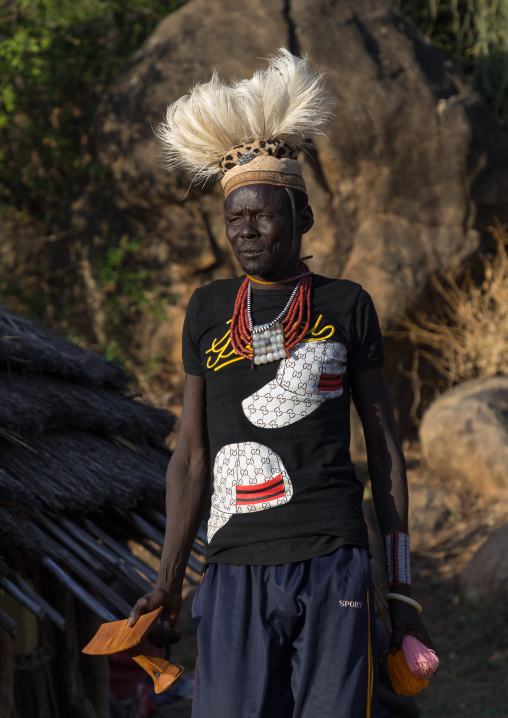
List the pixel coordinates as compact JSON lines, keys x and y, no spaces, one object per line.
{"x":171,"y":603}
{"x":405,"y":620}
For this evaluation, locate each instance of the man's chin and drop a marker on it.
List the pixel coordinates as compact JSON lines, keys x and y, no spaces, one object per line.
{"x":256,"y":267}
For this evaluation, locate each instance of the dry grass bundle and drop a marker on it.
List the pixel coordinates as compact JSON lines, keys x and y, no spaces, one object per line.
{"x":466,"y":335}
{"x":5,"y":569}
{"x":26,"y":347}
{"x":80,"y":472}
{"x":16,"y":531}
{"x":15,"y":492}
{"x":32,"y":406}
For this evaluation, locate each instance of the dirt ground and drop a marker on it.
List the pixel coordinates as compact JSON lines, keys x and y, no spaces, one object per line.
{"x":471,"y":640}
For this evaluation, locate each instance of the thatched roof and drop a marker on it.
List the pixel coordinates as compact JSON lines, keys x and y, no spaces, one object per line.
{"x":28,"y":349}
{"x":79,"y":471}
{"x":82,"y":467}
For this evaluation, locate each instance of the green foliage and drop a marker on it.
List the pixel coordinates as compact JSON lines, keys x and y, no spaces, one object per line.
{"x":126,"y":286}
{"x":114,"y":352}
{"x":56,"y":59}
{"x":474,"y":34}
{"x":121,"y":284}
{"x":126,"y":289}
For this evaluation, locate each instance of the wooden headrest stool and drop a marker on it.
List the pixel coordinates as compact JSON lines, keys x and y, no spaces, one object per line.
{"x":117,"y":637}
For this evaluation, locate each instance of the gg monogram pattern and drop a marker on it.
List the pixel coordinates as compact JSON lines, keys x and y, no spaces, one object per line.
{"x":247,"y":477}
{"x":303,"y":382}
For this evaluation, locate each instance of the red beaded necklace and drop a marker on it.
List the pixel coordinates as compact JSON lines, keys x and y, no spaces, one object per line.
{"x":295,"y":324}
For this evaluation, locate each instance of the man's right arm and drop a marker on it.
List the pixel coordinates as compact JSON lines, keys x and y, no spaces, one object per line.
{"x":187,"y":486}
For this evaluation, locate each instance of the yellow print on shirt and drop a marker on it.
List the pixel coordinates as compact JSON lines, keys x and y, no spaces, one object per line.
{"x":222,"y":353}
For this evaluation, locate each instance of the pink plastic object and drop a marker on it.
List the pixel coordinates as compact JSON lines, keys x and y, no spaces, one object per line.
{"x":422,"y":661}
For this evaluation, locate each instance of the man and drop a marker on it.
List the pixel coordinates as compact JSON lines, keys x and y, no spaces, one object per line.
{"x":284,"y":613}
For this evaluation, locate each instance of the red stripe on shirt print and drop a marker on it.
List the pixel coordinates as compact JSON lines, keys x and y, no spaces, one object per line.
{"x":330,"y":382}
{"x":257,"y":493}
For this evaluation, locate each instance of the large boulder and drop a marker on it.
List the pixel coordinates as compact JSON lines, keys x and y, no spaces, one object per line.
{"x":414,"y":168}
{"x":464,"y":434}
{"x":432,"y":509}
{"x":486,"y":575}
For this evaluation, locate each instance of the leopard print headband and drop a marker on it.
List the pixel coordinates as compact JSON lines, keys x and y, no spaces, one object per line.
{"x":244,"y":153}
{"x":261,"y":162}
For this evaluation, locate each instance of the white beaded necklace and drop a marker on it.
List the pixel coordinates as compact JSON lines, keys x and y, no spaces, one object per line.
{"x":268,"y":339}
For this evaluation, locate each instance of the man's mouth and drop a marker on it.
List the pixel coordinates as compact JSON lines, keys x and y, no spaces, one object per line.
{"x":251,"y":252}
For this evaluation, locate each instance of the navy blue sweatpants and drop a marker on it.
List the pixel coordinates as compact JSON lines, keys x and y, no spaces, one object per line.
{"x":288,"y":641}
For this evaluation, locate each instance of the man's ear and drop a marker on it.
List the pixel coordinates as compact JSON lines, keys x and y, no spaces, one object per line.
{"x":306,"y":219}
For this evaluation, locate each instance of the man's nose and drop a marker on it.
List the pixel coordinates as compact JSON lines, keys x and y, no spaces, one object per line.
{"x":248,"y":228}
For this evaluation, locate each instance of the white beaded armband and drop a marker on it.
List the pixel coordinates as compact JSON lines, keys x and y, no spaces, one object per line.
{"x":398,"y":563}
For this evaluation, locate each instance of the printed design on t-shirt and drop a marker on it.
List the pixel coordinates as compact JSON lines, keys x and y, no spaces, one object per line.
{"x":247,"y":477}
{"x":303,"y":382}
{"x":221,"y":353}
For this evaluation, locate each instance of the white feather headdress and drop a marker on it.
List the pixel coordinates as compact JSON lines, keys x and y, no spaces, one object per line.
{"x":286,"y":102}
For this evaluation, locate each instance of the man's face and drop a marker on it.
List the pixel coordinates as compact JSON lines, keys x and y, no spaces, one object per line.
{"x":259,"y":227}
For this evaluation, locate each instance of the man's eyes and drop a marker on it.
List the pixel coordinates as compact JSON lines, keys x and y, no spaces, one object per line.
{"x":233,"y":220}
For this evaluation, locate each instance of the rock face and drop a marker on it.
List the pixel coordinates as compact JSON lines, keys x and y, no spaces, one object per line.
{"x":464,"y":434}
{"x":486,"y":575}
{"x":414,"y":168}
{"x":431,"y":509}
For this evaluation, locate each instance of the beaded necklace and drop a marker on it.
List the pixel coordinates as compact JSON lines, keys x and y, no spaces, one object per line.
{"x":268,"y":339}
{"x":272,"y":341}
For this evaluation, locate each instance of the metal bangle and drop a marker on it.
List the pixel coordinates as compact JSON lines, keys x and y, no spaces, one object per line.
{"x":405,"y":599}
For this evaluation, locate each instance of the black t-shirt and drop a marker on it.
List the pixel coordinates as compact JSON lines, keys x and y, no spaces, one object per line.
{"x":284,"y":486}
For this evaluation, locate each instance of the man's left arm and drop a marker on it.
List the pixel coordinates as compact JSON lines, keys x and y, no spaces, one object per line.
{"x":387,"y":471}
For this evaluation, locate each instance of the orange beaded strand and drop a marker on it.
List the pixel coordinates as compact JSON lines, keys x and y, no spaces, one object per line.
{"x":299,"y":314}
